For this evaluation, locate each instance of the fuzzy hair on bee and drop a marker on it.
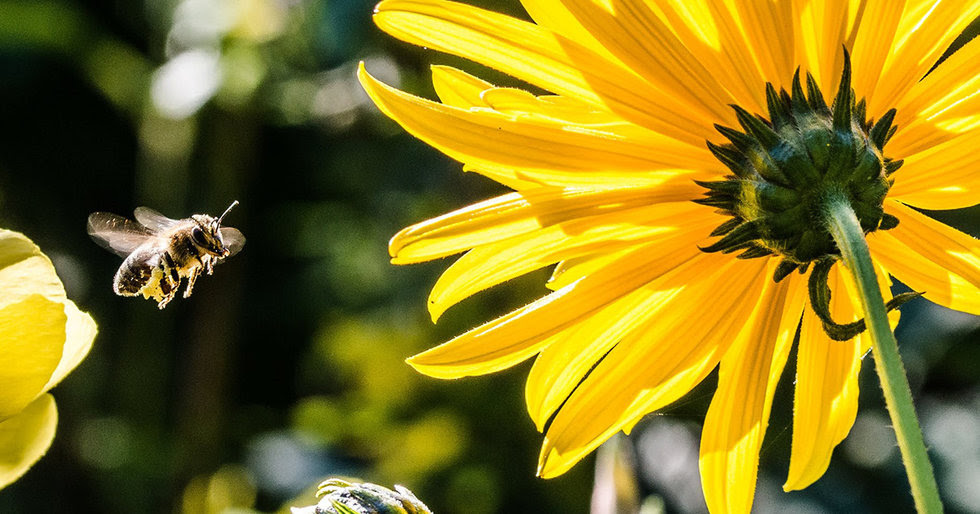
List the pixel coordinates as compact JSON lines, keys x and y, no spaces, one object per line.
{"x":160,"y":252}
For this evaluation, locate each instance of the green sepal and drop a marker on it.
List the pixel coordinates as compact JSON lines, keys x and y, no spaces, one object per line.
{"x":879,"y":132}
{"x":744,"y":233}
{"x":815,"y":96}
{"x":820,"y":295}
{"x":778,"y":108}
{"x":761,"y":131}
{"x":753,"y":252}
{"x":783,"y":270}
{"x":798,"y":101}
{"x":891,"y":166}
{"x":888,"y":222}
{"x":844,"y":102}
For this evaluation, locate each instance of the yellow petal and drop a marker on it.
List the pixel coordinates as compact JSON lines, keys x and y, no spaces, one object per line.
{"x":515,"y":101}
{"x":79,"y":334}
{"x":826,"y":394}
{"x":942,"y":177}
{"x":32,"y":336}
{"x":921,"y":274}
{"x":518,"y":335}
{"x":940,"y":107}
{"x":639,"y":38}
{"x":924,"y":32}
{"x":25,"y":271}
{"x":476,"y":136}
{"x":736,"y":421}
{"x":514,"y":214}
{"x":458,"y":88}
{"x":658,"y":362}
{"x":537,"y":56}
{"x":873,"y":43}
{"x":569,"y":271}
{"x":762,"y":24}
{"x":523,"y":179}
{"x":553,"y":15}
{"x":562,"y":365}
{"x":26,"y":437}
{"x":933,"y":257}
{"x":489,"y":265}
{"x":823,"y":31}
{"x":710,"y":32}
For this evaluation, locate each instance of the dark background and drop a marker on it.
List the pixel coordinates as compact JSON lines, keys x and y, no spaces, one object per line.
{"x":286,"y":366}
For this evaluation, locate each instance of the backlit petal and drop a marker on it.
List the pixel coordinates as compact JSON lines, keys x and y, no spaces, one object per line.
{"x":932,"y":257}
{"x":569,"y":271}
{"x":80,"y":333}
{"x":640,"y":39}
{"x":651,"y":368}
{"x":515,"y":214}
{"x":942,"y":177}
{"x":540,"y":57}
{"x":823,"y":32}
{"x":492,"y":264}
{"x":516,"y":336}
{"x":32,"y":337}
{"x":458,"y":88}
{"x":739,"y":413}
{"x":826,"y":393}
{"x":475,"y":136}
{"x":25,"y":271}
{"x":553,"y":14}
{"x":26,"y":437}
{"x":762,"y":23}
{"x":872,"y":44}
{"x":925,"y":31}
{"x":921,"y":274}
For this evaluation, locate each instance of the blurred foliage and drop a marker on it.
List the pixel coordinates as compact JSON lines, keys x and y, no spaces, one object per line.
{"x":286,"y":366}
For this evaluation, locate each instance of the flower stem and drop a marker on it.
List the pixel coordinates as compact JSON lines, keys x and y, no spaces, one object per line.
{"x":843,"y":225}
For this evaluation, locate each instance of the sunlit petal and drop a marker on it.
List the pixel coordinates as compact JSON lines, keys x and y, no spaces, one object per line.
{"x":925,"y":31}
{"x":26,"y":437}
{"x":32,"y":338}
{"x":538,"y":56}
{"x":516,"y":336}
{"x":739,"y":413}
{"x":932,"y":257}
{"x":826,"y":394}
{"x":515,"y":214}
{"x":648,"y":370}
{"x":634,"y":33}
{"x":492,"y":264}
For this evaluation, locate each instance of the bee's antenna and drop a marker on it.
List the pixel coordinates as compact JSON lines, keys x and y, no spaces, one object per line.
{"x":226,"y":211}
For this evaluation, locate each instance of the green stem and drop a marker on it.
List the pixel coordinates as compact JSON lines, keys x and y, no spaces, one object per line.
{"x":843,"y":225}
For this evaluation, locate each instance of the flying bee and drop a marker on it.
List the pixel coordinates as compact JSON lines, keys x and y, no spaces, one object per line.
{"x":160,"y":251}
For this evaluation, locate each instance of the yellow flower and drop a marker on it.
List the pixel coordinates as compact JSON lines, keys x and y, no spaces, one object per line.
{"x":604,"y":167}
{"x":43,"y":336}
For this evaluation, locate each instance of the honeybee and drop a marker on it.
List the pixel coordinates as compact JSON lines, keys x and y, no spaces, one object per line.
{"x":160,"y":251}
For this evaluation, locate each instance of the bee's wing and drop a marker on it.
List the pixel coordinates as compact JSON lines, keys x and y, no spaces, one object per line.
{"x":233,"y":238}
{"x":153,"y":220}
{"x":116,"y":234}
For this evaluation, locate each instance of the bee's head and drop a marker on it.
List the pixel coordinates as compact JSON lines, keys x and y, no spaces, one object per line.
{"x":207,"y":233}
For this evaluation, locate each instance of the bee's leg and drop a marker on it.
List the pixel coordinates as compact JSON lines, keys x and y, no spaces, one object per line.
{"x":169,"y":280}
{"x":209,"y":264}
{"x":195,"y":272}
{"x":168,"y":288}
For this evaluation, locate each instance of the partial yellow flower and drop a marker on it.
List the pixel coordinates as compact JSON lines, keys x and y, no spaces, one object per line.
{"x":603,"y":168}
{"x":43,"y":336}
